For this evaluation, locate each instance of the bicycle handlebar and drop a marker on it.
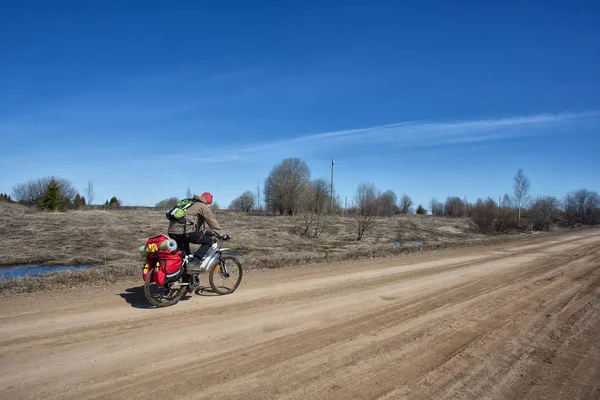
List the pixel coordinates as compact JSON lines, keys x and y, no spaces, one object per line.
{"x":214,"y":235}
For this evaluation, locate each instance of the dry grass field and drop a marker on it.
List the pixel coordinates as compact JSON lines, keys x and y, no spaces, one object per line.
{"x":111,"y":239}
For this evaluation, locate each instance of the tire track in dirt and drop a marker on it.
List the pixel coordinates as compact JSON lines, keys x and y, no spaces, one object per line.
{"x":290,"y":292}
{"x":385,"y":353}
{"x":462,"y":326}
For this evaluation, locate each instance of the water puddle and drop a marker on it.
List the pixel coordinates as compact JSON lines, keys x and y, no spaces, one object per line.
{"x":18,"y":271}
{"x":399,"y":244}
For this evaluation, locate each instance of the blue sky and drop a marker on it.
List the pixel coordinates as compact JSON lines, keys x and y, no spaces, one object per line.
{"x":427,"y":98}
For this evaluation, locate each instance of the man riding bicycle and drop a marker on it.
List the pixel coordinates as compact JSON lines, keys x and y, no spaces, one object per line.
{"x":188,"y":231}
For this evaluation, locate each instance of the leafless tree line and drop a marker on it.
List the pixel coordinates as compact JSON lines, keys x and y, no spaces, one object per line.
{"x":43,"y":191}
{"x":31,"y":192}
{"x":289,"y":191}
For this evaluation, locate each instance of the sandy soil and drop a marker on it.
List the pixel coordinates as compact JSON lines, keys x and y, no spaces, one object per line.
{"x":518,"y":321}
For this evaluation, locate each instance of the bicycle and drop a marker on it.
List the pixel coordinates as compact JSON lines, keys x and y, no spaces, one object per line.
{"x":224,"y":276}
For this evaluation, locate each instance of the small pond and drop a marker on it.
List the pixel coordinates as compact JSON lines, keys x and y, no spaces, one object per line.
{"x":17,"y":271}
{"x":399,"y":244}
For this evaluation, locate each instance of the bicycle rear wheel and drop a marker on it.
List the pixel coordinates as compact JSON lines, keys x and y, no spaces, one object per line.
{"x":223,"y":282}
{"x":163,"y":295}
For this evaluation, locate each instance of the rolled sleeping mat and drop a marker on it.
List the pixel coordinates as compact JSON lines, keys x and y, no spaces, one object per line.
{"x":143,"y":251}
{"x":169,"y":245}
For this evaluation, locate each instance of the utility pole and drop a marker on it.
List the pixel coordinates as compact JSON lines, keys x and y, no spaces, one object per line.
{"x":331,"y":189}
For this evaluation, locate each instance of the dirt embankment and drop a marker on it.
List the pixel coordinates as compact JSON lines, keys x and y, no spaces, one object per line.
{"x":497,"y":322}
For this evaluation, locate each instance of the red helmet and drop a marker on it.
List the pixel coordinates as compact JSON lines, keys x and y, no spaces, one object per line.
{"x":208,"y":197}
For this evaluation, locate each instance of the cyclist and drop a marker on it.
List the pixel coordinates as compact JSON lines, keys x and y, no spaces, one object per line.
{"x":188,"y":231}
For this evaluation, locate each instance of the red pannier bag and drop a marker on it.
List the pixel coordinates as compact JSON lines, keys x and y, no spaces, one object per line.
{"x":167,"y":261}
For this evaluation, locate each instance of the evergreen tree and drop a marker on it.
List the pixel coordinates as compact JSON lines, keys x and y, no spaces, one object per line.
{"x":52,"y":200}
{"x":6,"y":197}
{"x":421,"y":210}
{"x":114,"y":203}
{"x":79,"y":202}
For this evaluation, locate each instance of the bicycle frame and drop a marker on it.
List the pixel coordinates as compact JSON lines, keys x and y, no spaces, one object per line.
{"x":214,"y":254}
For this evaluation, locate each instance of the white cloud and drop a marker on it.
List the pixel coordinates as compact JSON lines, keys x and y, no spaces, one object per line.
{"x":414,"y":134}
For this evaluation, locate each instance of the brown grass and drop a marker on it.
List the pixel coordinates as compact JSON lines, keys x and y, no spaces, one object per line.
{"x":111,"y":238}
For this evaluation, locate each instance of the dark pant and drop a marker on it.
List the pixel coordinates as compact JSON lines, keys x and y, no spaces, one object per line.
{"x":183,"y":242}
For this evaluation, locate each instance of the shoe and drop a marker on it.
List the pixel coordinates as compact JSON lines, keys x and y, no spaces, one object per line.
{"x":194,"y":265}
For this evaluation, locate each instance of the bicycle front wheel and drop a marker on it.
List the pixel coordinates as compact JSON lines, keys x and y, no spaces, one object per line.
{"x":225,"y":276}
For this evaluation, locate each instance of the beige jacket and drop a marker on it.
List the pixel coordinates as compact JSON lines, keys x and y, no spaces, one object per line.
{"x":205,"y":216}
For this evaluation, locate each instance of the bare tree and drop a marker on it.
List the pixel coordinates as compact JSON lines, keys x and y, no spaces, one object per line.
{"x":406,"y":204}
{"x":243,"y":203}
{"x":543,"y":213}
{"x":188,"y":193}
{"x":29,"y":193}
{"x":454,"y":207}
{"x":437,"y":208}
{"x":90,"y":193}
{"x":286,"y":185}
{"x":315,"y":206}
{"x":247,"y":201}
{"x":521,"y":189}
{"x":317,"y":197}
{"x":506,"y":201}
{"x":367,"y":203}
{"x":258,"y":192}
{"x":583,"y":207}
{"x":387,"y":203}
{"x":468,"y":207}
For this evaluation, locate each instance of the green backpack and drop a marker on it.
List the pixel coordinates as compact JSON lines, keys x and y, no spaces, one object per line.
{"x":178,"y":212}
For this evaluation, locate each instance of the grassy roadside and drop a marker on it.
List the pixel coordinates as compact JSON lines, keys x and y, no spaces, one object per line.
{"x":111,"y":238}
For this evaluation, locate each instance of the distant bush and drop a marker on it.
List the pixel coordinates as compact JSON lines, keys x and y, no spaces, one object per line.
{"x":311,"y":225}
{"x":387,"y":204}
{"x":49,"y":193}
{"x":582,"y":207}
{"x":314,"y":209}
{"x":491,"y":219}
{"x":244,"y":203}
{"x":543,"y":213}
{"x":421,"y":210}
{"x":367,"y":207}
{"x":114,"y":203}
{"x":79,"y":201}
{"x":167,"y":204}
{"x":33,"y":192}
{"x":455,"y":207}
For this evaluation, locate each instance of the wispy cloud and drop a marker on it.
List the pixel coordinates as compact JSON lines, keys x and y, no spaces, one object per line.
{"x":415,"y":134}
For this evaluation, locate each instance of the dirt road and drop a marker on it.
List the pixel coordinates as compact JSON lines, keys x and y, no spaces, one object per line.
{"x":500,"y":322}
